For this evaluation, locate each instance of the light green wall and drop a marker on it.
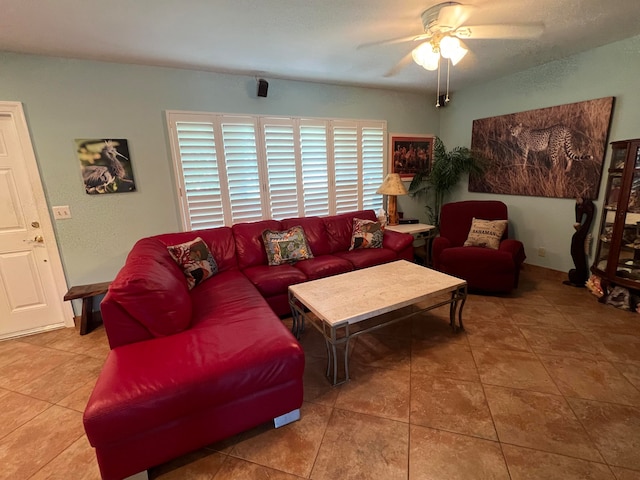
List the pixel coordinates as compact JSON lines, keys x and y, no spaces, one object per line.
{"x":68,"y":99}
{"x":612,"y":70}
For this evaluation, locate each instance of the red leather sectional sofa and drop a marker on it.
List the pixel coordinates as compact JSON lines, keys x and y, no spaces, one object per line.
{"x":190,"y":367}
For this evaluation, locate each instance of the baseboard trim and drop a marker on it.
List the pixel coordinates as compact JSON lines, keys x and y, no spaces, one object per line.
{"x":545,"y":272}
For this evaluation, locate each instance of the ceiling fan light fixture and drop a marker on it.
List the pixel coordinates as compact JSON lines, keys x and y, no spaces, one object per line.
{"x":458,"y":55}
{"x":451,"y":48}
{"x":425,"y":56}
{"x":449,"y":45}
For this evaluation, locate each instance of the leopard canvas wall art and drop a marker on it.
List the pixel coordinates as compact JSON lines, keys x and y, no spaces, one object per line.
{"x":549,"y":152}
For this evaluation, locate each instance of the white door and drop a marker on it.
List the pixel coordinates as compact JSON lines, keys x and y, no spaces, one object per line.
{"x":32,"y":283}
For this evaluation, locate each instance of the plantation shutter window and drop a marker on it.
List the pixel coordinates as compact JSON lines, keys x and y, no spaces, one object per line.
{"x":200,"y":178}
{"x":280,"y":152}
{"x":241,"y":168}
{"x":373,"y":150}
{"x":315,"y":178}
{"x":241,"y":162}
{"x":347,"y":171}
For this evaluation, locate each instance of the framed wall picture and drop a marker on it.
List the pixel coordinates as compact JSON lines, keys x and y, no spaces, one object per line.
{"x":410,"y":154}
{"x":106,"y":165}
{"x":555,"y":152}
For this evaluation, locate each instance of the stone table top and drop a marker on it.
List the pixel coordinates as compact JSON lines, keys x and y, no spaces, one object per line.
{"x":359,"y":295}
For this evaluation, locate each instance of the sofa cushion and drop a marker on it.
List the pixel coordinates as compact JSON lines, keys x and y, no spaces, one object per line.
{"x":219,"y":240}
{"x":286,"y":246}
{"x":484,"y":269}
{"x":366,"y":234}
{"x":249,"y":247}
{"x":368,"y":257}
{"x":324,"y":266}
{"x":195,"y":259}
{"x":398,"y":242}
{"x":340,"y":227}
{"x":274,"y":280}
{"x":485,"y":233}
{"x":315,"y":231}
{"x":154,"y":295}
{"x":223,"y":298}
{"x":456,"y":217}
{"x":170,"y":379}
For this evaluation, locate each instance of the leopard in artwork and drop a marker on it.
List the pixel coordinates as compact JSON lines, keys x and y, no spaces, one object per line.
{"x":552,"y":139}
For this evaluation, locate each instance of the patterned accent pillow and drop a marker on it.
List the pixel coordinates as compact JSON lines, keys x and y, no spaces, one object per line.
{"x":195,"y":259}
{"x":366,"y":234}
{"x":288,"y":246}
{"x":486,"y":233}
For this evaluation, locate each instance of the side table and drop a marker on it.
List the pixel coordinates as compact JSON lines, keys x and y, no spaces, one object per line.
{"x":86,"y":293}
{"x":428,"y":232}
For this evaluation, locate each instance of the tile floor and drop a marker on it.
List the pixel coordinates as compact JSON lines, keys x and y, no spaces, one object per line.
{"x":543,"y":384}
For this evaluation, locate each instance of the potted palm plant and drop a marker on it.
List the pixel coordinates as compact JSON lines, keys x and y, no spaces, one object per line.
{"x":445,"y":172}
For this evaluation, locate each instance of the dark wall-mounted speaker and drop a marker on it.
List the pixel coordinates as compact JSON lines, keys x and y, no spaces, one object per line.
{"x":263,"y":86}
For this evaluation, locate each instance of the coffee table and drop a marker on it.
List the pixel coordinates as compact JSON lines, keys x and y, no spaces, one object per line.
{"x":350,"y":304}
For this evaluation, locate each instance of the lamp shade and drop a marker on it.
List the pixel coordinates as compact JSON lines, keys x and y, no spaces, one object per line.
{"x":392,"y":185}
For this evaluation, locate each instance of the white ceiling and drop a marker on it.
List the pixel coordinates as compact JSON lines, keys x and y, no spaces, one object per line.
{"x":304,"y":39}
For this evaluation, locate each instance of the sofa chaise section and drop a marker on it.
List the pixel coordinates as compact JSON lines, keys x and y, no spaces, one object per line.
{"x":232,"y":366}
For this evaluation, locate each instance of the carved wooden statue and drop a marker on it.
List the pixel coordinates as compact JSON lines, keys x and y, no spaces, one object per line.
{"x":579,"y":242}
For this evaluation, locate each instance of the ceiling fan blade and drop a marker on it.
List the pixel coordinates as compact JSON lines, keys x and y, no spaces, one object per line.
{"x":392,"y":41}
{"x":404,"y":61}
{"x":529,"y":30}
{"x":454,"y":15}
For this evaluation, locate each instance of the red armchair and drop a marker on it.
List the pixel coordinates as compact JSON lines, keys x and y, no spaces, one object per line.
{"x":484,"y":269}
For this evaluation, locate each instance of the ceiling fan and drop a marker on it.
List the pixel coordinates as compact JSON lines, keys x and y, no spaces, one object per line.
{"x":444,"y":25}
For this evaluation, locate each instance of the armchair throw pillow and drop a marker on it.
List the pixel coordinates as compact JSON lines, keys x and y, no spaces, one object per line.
{"x":486,"y":233}
{"x":195,"y":259}
{"x":366,"y":234}
{"x":288,"y":246}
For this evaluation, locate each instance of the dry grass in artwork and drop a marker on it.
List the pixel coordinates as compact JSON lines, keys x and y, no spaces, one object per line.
{"x":564,"y":147}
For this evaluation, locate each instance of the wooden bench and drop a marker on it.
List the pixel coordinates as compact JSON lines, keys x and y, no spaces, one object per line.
{"x":86,"y":293}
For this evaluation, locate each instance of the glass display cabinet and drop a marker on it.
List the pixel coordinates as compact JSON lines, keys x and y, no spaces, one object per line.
{"x":617,"y":258}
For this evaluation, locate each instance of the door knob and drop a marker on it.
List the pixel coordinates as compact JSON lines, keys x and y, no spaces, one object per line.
{"x":39,"y":239}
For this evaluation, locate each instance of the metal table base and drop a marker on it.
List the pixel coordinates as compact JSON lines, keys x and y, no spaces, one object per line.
{"x":337,"y":337}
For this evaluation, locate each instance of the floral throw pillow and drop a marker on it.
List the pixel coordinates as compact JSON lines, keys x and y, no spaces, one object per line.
{"x":366,"y":234}
{"x":287,"y":246}
{"x":486,"y":233}
{"x":196,"y":261}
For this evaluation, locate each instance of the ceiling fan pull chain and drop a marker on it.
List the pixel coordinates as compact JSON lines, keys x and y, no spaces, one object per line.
{"x":438,"y":92}
{"x":446,"y":99}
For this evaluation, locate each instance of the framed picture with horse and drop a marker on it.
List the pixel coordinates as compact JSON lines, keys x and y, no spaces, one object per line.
{"x":410,"y":154}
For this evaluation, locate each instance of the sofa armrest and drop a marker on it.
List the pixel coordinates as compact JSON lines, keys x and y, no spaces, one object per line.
{"x":396,"y":241}
{"x":515,"y":248}
{"x":439,"y":245}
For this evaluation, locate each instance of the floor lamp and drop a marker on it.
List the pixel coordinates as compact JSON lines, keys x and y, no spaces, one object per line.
{"x":392,"y":187}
